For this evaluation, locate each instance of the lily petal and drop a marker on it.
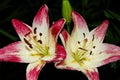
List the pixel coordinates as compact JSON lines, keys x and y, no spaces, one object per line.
{"x":60,"y":53}
{"x":21,"y":28}
{"x":112,"y":52}
{"x":92,"y":74}
{"x":85,"y":50}
{"x":41,"y":24}
{"x":17,"y":52}
{"x":54,"y":31}
{"x":64,"y":37}
{"x":56,"y":28}
{"x":79,"y":31}
{"x":100,"y":31}
{"x":79,"y":23}
{"x":41,"y":17}
{"x":33,"y":70}
{"x":107,"y":53}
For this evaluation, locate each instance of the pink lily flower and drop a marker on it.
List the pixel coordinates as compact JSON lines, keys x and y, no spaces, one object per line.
{"x":85,"y":50}
{"x":38,"y":44}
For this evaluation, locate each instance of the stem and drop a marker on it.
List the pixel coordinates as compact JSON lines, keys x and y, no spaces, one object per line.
{"x":68,"y":27}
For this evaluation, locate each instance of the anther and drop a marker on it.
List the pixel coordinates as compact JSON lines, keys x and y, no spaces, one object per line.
{"x":84,"y":35}
{"x":35,"y":30}
{"x":40,"y":41}
{"x":28,"y":43}
{"x":90,"y":52}
{"x":93,"y":38}
{"x":78,"y":42}
{"x":40,"y":34}
{"x":83,"y":49}
{"x":94,"y":47}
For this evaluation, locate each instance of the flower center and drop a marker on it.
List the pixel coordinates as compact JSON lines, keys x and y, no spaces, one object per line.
{"x":36,"y":45}
{"x":84,"y":50}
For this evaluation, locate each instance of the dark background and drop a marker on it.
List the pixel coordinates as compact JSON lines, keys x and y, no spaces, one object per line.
{"x":94,"y":12}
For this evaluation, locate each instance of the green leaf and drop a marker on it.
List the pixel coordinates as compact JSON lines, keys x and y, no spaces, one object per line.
{"x":84,"y":2}
{"x":4,"y":5}
{"x":14,"y":14}
{"x":112,"y":15}
{"x":8,"y":35}
{"x":117,"y":30}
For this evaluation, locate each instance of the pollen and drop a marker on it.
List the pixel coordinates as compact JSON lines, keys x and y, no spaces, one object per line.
{"x":85,"y":40}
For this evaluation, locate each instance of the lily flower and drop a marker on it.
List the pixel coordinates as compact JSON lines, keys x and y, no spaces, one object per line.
{"x":38,"y":44}
{"x":85,"y":50}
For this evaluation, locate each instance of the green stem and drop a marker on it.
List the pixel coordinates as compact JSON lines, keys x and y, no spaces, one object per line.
{"x":68,"y":27}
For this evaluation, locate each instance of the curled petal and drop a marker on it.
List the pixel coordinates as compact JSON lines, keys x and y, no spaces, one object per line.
{"x":54,"y":31}
{"x":92,"y":74}
{"x":57,"y":27}
{"x":64,"y":36}
{"x":60,"y":53}
{"x":33,"y":70}
{"x":100,"y":31}
{"x":21,"y":28}
{"x":79,"y":23}
{"x":16,"y":52}
{"x":79,"y":31}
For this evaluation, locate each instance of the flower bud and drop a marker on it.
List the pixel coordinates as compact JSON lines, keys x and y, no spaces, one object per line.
{"x":66,"y":11}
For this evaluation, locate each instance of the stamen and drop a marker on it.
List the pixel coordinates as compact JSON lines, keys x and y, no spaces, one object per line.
{"x":35,"y":30}
{"x":82,"y":49}
{"x":27,"y":48}
{"x":84,"y":35}
{"x":40,"y":41}
{"x":28,"y":43}
{"x":93,"y":38}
